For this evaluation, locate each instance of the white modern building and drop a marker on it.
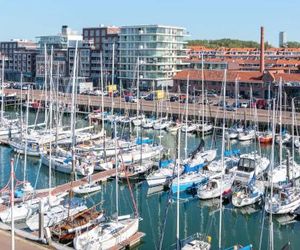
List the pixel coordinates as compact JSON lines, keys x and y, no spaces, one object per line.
{"x":160,"y":50}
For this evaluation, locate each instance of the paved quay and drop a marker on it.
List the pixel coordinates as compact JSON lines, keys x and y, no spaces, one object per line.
{"x":20,"y":243}
{"x":172,"y":108}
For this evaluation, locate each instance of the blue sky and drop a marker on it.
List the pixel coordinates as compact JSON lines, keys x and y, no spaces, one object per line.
{"x":203,"y":19}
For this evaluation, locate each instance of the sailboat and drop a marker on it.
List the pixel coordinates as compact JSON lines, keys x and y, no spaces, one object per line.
{"x":288,"y":170}
{"x":81,"y":222}
{"x":148,"y":123}
{"x":194,"y":174}
{"x":108,"y":234}
{"x":89,"y":187}
{"x":247,"y":195}
{"x":166,"y":172}
{"x":196,"y":241}
{"x":247,"y":134}
{"x":284,"y":201}
{"x":215,"y":187}
{"x":56,"y":214}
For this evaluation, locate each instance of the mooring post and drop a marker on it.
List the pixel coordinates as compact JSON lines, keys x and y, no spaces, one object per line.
{"x":41,"y":220}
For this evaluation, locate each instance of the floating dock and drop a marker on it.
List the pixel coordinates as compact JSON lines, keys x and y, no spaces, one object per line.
{"x":97,"y":177}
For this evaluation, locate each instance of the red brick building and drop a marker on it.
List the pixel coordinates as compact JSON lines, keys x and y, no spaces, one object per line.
{"x":259,"y":82}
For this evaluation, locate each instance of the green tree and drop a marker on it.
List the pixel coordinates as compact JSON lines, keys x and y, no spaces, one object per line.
{"x":226,"y":42}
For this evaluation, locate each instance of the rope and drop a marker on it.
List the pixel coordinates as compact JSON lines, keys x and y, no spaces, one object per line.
{"x":129,"y":185}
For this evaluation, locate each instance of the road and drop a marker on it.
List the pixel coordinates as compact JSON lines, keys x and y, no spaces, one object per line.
{"x":194,"y":110}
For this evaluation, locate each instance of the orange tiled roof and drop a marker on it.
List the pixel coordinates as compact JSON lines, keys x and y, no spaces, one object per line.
{"x":218,"y":75}
{"x":241,"y":76}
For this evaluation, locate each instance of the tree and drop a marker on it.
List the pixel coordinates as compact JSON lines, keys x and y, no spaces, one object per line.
{"x":228,"y":43}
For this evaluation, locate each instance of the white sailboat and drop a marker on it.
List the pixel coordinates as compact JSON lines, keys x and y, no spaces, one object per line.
{"x":56,"y":214}
{"x":163,"y":175}
{"x":289,"y":169}
{"x":109,"y":234}
{"x":248,"y":195}
{"x":284,"y":201}
{"x":148,"y":123}
{"x":247,"y":135}
{"x":86,"y":188}
{"x":215,"y":187}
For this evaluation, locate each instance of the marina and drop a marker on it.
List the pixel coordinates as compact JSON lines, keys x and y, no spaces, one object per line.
{"x":145,"y":137}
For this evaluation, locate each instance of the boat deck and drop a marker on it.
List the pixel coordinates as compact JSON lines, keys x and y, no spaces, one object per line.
{"x":132,"y":241}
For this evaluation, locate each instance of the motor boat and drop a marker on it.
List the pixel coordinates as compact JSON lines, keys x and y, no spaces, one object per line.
{"x":250,"y":165}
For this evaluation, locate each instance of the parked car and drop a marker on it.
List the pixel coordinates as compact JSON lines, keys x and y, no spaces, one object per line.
{"x":174,"y":98}
{"x":149,"y":97}
{"x":192,"y":100}
{"x":261,"y":104}
{"x":244,"y":104}
{"x":210,"y":94}
{"x":130,"y":98}
{"x":236,"y":104}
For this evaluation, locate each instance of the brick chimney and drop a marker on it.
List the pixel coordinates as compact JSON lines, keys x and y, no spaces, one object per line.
{"x":262,"y":50}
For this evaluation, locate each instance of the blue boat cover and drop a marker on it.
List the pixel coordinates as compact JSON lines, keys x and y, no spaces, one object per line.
{"x":140,"y":141}
{"x":68,"y":159}
{"x":249,"y":247}
{"x":188,"y":168}
{"x":164,"y":163}
{"x":233,"y":152}
{"x":19,"y":193}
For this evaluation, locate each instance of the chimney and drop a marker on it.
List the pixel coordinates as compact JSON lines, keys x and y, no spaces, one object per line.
{"x":262,"y":50}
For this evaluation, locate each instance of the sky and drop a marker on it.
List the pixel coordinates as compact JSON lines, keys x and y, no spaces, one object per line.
{"x":237,"y":19}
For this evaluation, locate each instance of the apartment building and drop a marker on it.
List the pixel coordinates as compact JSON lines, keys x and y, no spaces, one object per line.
{"x":155,"y":51}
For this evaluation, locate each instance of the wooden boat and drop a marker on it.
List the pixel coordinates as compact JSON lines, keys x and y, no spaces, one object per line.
{"x":265,"y":138}
{"x":83,"y":221}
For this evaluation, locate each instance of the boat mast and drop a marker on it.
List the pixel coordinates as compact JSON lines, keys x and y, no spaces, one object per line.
{"x":269,"y":104}
{"x":12,"y":199}
{"x":21,"y":105}
{"x":280,"y":121}
{"x":45,"y":85}
{"x":116,"y":168}
{"x":186,"y":114}
{"x":50,"y":123}
{"x":74,"y":86}
{"x":26,"y":138}
{"x":293,"y":136}
{"x":2,"y":93}
{"x":177,"y":203}
{"x":138,"y":87}
{"x":222,"y":159}
{"x":202,"y":90}
{"x":102,"y":98}
{"x":271,"y":240}
{"x":112,"y":78}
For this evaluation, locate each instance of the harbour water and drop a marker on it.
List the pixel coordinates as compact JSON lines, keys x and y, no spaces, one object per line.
{"x":158,"y":210}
